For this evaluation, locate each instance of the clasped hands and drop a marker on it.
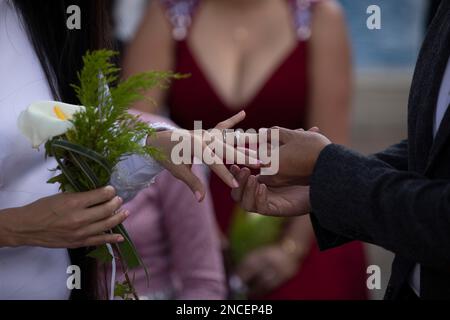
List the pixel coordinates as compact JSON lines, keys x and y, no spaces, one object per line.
{"x":286,"y":193}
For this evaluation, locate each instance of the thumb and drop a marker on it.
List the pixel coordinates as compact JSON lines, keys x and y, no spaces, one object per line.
{"x":284,"y":135}
{"x":314,"y":129}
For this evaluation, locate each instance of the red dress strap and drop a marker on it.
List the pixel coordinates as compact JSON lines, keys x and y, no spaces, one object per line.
{"x":180,"y":13}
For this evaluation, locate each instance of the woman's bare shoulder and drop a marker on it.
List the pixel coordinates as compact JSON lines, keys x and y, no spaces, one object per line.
{"x":328,"y":21}
{"x":329,"y":11}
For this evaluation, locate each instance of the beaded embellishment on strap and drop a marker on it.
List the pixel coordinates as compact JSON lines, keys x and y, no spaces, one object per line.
{"x":179,"y":13}
{"x":302,"y":17}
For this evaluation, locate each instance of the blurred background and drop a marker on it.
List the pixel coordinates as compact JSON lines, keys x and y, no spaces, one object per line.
{"x":383,"y":62}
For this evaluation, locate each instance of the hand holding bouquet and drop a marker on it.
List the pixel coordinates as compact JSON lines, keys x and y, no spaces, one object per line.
{"x":89,"y":141}
{"x":100,"y":143}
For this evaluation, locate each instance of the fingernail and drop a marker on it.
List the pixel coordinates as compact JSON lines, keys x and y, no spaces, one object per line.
{"x":126,"y":214}
{"x":111,"y":189}
{"x":260,"y":190}
{"x":119,"y":199}
{"x":198,"y":196}
{"x":235,"y":183}
{"x":120,"y":239}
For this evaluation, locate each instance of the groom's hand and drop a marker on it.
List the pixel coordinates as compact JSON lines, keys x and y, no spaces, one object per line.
{"x":298,"y":153}
{"x":272,"y":201}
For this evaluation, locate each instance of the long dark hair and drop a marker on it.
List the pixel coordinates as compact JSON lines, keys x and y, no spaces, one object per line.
{"x":60,"y":52}
{"x":59,"y":49}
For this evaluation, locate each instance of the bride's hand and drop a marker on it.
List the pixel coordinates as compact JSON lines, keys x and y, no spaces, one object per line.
{"x":163,"y":142}
{"x":67,"y":220}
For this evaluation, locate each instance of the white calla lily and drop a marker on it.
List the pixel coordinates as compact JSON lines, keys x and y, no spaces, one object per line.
{"x":44,"y":120}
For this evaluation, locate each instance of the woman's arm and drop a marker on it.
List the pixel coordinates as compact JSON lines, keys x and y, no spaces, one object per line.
{"x":194,"y":242}
{"x":7,"y":238}
{"x":330,"y":73}
{"x":152,"y":49}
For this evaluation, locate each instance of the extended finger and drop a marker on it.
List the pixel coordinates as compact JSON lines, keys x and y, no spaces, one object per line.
{"x":227,"y":154}
{"x":101,"y":239}
{"x":185,"y":174}
{"x":224,"y":174}
{"x":231,"y":122}
{"x":261,"y":200}
{"x":102,"y":211}
{"x":104,"y":225}
{"x":242,"y":178}
{"x":243,"y":156}
{"x":282,"y":134}
{"x":94,"y":197}
{"x":248,"y":152}
{"x":248,"y":198}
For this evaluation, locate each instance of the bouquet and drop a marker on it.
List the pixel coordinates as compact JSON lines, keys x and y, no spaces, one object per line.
{"x":88,"y":141}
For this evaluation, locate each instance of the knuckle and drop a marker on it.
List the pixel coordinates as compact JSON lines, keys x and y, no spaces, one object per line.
{"x":81,"y":244}
{"x":75,"y":222}
{"x":119,"y":218}
{"x":110,"y":207}
{"x":71,"y":202}
{"x":77,"y":236}
{"x":108,"y":239}
{"x":111,"y":224}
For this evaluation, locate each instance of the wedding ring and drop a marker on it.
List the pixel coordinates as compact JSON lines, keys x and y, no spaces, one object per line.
{"x":237,"y":135}
{"x":224,"y":135}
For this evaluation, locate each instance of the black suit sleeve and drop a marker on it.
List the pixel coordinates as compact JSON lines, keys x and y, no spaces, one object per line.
{"x":363,"y":198}
{"x":396,"y":156}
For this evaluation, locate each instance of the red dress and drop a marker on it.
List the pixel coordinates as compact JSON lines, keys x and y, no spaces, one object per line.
{"x":335,"y":274}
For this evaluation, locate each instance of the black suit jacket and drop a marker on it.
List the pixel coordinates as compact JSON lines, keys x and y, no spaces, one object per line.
{"x":400,"y":198}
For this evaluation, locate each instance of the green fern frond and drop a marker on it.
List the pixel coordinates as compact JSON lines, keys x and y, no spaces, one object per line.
{"x":107,"y":127}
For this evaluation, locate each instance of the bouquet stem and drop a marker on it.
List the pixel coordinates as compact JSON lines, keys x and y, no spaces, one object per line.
{"x":126,"y":251}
